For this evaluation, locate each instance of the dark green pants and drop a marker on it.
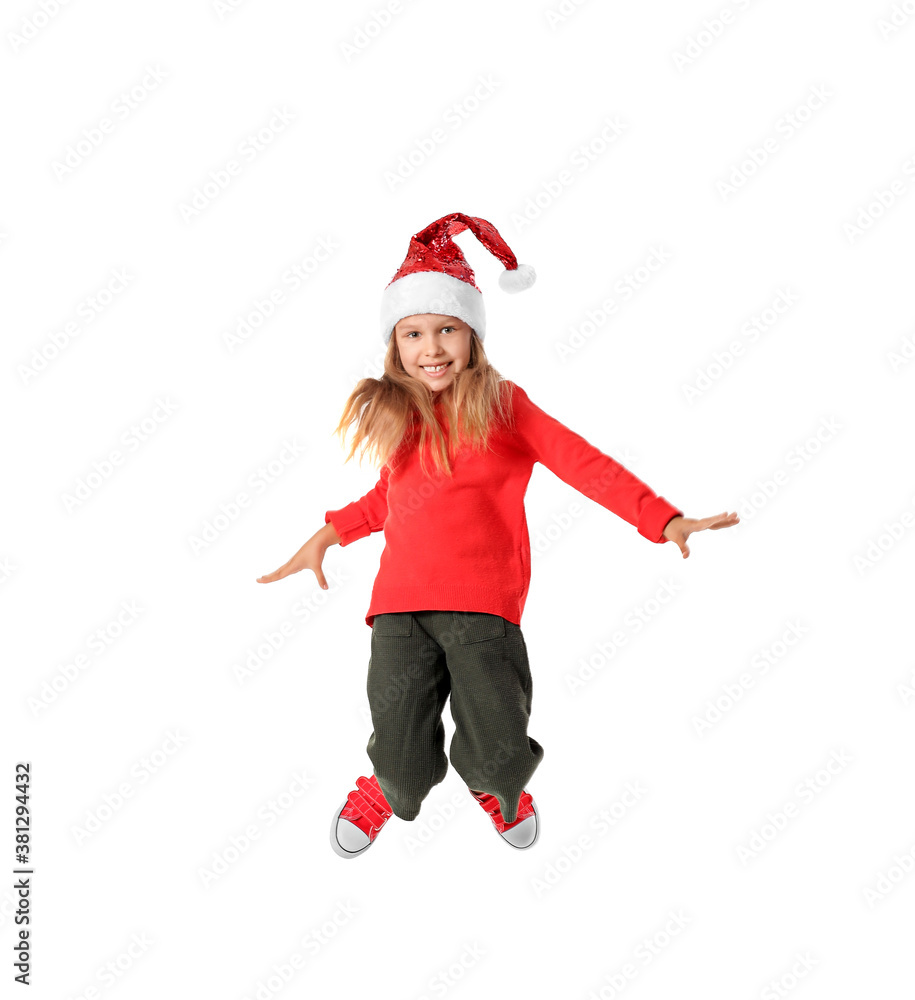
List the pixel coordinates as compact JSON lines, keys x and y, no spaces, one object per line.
{"x":418,"y":659}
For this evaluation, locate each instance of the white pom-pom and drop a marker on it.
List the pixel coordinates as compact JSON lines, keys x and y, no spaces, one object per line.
{"x":516,"y":281}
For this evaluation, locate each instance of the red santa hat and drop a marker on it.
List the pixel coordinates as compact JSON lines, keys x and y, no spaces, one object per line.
{"x":435,"y":277}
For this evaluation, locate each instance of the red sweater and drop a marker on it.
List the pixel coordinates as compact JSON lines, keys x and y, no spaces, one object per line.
{"x":462,"y":544}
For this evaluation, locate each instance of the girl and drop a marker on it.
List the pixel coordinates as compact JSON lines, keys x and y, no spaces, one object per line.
{"x":457,"y":445}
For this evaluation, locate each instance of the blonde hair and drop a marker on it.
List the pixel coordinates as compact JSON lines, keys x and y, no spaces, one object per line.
{"x":383,"y":410}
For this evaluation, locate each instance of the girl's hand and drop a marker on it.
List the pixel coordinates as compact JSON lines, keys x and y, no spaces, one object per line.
{"x":679,"y":528}
{"x":310,"y":556}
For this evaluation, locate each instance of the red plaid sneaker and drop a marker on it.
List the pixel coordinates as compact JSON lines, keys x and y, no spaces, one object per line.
{"x":525,"y":830}
{"x":358,"y":821}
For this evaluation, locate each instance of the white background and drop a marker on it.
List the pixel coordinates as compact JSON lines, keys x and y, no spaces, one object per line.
{"x":772,"y":861}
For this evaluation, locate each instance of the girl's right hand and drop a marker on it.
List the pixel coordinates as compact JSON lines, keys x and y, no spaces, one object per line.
{"x":309,"y":556}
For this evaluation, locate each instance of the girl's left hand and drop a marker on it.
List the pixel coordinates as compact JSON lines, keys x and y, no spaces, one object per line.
{"x":679,"y":528}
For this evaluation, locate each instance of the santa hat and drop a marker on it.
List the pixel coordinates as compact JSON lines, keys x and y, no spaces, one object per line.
{"x":435,"y":277}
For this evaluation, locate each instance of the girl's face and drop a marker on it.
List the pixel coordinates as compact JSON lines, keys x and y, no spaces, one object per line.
{"x":427,"y":341}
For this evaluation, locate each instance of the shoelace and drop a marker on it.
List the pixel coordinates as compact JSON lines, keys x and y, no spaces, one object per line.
{"x":366,"y":807}
{"x":491,"y":804}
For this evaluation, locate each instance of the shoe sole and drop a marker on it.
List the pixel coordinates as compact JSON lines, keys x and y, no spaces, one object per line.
{"x":339,"y":850}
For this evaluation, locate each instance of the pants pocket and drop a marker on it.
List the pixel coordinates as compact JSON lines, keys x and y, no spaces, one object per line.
{"x":393,"y":623}
{"x":476,"y":626}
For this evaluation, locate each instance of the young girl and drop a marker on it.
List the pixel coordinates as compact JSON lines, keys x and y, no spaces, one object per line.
{"x":457,"y":445}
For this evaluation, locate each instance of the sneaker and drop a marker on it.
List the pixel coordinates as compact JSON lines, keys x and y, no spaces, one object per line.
{"x":358,"y":821}
{"x":525,"y":830}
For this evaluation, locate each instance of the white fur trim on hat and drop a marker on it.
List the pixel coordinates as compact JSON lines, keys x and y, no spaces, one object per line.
{"x":431,"y":292}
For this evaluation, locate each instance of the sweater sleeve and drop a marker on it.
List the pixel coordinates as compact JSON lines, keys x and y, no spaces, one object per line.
{"x":363,"y":516}
{"x":596,"y":475}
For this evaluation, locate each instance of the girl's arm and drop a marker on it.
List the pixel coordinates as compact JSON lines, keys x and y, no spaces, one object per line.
{"x":349,"y":523}
{"x":577,"y":462}
{"x":594,"y":474}
{"x":362,"y":516}
{"x":310,"y":556}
